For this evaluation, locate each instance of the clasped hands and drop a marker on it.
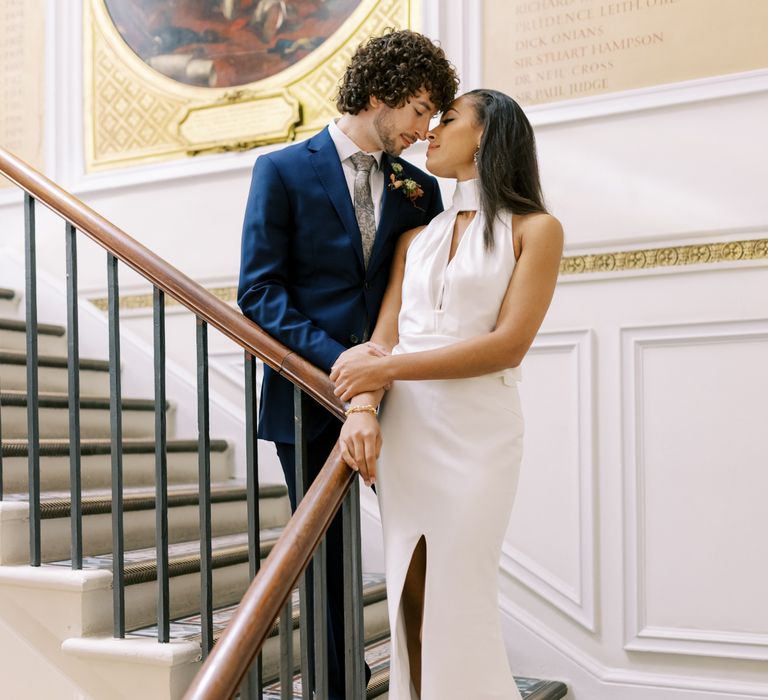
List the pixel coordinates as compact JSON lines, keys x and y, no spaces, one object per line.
{"x":357,"y":371}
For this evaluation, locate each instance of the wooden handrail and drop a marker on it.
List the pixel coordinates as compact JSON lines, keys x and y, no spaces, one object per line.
{"x":228,"y":663}
{"x":173,"y":282}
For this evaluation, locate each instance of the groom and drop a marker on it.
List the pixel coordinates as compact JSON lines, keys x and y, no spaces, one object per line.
{"x":321,"y":224}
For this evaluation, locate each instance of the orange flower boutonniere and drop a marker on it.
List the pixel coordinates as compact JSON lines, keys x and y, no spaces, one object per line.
{"x":409,"y":187}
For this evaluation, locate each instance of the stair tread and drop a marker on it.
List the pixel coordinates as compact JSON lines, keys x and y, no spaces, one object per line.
{"x":377,"y":654}
{"x":56,"y":504}
{"x":11,"y":357}
{"x":145,"y":559}
{"x":51,"y":399}
{"x":188,"y":628}
{"x":54,"y":447}
{"x":9,"y":324}
{"x":183,"y":557}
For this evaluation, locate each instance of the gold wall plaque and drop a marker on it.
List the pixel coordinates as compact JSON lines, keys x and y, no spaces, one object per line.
{"x":541,"y":51}
{"x":136,"y":114}
{"x":234,"y":122}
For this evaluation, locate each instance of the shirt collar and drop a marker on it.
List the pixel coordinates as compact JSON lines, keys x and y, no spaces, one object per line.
{"x":345,"y":146}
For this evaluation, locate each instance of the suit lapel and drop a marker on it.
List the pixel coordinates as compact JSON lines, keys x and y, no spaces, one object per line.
{"x":388,"y":223}
{"x":325,"y":161}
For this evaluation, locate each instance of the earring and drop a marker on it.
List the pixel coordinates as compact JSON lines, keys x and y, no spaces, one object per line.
{"x":474,"y":157}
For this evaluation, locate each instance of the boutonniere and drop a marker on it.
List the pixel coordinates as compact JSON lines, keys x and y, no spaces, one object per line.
{"x":409,"y":187}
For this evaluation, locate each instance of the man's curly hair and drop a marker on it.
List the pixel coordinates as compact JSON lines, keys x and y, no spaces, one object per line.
{"x":393,"y":68}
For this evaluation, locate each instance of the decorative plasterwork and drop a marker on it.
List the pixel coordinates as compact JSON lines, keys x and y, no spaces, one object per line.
{"x":619,"y":261}
{"x":671,"y":256}
{"x":134,"y":114}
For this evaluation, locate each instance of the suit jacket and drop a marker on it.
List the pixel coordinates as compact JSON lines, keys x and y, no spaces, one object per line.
{"x":302,"y":277}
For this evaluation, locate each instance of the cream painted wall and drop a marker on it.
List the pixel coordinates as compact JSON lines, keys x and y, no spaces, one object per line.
{"x":631,"y":569}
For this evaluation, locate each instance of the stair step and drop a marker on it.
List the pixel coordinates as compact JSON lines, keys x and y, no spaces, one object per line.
{"x":377,"y":656}
{"x":52,"y":373}
{"x":188,"y":628}
{"x":51,"y":339}
{"x":9,"y":301}
{"x":95,"y":463}
{"x":229,"y":515}
{"x":229,"y":562}
{"x":138,"y":416}
{"x":376,"y":626}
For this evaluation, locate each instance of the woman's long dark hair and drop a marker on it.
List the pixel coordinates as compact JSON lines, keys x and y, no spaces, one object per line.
{"x":506,"y":162}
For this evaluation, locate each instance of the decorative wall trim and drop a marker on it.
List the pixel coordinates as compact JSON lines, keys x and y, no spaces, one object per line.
{"x":578,"y":602}
{"x":639,"y":636}
{"x":609,"y":262}
{"x":669,"y":256}
{"x":129,"y":302}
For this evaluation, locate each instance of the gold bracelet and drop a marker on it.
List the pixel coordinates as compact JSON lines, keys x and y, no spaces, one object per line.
{"x":366,"y":408}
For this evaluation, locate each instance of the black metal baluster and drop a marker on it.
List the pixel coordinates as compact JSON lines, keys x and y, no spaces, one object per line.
{"x":354,"y":642}
{"x":254,"y":682}
{"x":305,"y":602}
{"x":1,"y":443}
{"x":33,"y":416}
{"x":320,"y":627}
{"x":204,"y":486}
{"x":286,"y":650}
{"x":73,"y":398}
{"x":161,"y":470}
{"x":116,"y":448}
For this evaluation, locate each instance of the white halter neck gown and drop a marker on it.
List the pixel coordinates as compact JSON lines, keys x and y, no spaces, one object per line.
{"x":449,"y":465}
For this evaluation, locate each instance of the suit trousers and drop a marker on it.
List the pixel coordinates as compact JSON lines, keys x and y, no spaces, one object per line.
{"x":318,"y":450}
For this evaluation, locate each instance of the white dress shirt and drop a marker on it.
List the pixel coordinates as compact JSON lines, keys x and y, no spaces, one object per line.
{"x":346,"y":147}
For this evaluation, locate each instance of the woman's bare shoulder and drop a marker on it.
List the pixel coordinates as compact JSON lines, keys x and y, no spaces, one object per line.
{"x":539,"y":232}
{"x":538,"y":223}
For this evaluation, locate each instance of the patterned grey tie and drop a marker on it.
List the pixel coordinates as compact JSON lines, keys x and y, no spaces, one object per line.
{"x":366,"y":218}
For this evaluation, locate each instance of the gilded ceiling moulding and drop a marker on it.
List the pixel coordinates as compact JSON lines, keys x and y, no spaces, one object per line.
{"x":157,"y":87}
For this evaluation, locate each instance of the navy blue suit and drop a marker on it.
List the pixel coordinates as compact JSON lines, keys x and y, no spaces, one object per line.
{"x":302,"y":279}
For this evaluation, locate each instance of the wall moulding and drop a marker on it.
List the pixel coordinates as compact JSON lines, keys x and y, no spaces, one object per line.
{"x":665,"y":257}
{"x":657,"y":97}
{"x":640,"y":635}
{"x":135,"y":113}
{"x":574,"y":598}
{"x":688,"y":257}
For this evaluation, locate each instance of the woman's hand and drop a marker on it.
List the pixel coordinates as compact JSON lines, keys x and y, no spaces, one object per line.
{"x":358,"y":373}
{"x":368,"y":349}
{"x":360,"y":441}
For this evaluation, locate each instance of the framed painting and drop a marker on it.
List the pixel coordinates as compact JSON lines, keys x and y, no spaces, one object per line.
{"x":169,"y":78}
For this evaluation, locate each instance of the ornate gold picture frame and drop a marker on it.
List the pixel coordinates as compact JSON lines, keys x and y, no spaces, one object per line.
{"x":136,"y":114}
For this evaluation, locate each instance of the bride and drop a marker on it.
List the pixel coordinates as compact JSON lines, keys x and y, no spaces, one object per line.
{"x":466,"y":297}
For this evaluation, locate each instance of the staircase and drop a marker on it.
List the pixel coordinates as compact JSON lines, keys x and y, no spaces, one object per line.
{"x":76,"y":606}
{"x":228,"y":516}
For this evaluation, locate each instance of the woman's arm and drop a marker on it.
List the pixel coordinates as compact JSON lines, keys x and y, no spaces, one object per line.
{"x":386,"y":332}
{"x":360,"y":437}
{"x":522,"y":311}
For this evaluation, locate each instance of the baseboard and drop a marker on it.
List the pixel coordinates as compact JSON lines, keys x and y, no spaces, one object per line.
{"x":589,"y":679}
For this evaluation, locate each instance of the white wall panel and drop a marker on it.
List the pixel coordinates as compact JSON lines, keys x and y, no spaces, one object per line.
{"x":696,"y":456}
{"x":550,"y":541}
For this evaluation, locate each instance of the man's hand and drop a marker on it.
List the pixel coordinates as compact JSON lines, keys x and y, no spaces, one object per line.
{"x":360,"y":441}
{"x":370,"y":349}
{"x":359,"y":373}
